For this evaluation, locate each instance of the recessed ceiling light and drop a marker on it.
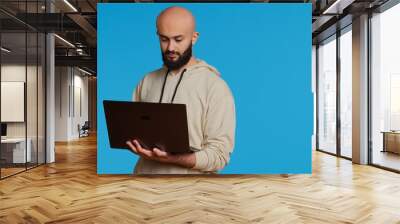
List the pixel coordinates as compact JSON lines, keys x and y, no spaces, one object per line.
{"x":5,"y":50}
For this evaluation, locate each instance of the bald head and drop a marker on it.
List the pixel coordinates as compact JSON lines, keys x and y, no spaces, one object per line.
{"x":177,"y":19}
{"x":176,"y":31}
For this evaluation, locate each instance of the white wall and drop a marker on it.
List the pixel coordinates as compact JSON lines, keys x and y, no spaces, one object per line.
{"x":62,"y":80}
{"x":33,"y":127}
{"x":12,"y":73}
{"x":70,"y":84}
{"x":80,"y":94}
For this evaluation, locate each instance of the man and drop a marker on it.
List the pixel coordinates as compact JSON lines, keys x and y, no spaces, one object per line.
{"x":186,"y":80}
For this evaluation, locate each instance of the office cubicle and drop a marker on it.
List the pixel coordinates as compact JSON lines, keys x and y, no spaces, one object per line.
{"x":22,"y":95}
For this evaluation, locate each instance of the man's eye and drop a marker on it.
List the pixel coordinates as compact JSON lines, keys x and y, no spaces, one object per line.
{"x":178,"y":40}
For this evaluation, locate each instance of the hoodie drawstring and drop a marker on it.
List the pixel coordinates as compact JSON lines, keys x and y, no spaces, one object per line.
{"x":176,"y":87}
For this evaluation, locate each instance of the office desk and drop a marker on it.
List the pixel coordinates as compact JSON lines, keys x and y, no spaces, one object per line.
{"x":13,"y":150}
{"x":391,"y":141}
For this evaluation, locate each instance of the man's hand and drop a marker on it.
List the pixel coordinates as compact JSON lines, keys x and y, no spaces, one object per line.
{"x":186,"y":160}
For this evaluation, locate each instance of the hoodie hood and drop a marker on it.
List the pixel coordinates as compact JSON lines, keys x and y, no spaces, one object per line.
{"x":202,"y":65}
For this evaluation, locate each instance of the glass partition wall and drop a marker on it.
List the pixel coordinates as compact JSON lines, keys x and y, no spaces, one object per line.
{"x":334,"y":90}
{"x":22,"y":77}
{"x":326,"y":60}
{"x":334,"y":85}
{"x":385,"y":89}
{"x":345,"y":62}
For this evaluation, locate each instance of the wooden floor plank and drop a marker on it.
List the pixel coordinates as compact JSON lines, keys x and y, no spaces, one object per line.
{"x":70,"y":191}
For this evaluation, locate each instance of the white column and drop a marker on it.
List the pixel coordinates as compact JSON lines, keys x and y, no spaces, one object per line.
{"x":50,"y":93}
{"x":360,"y":90}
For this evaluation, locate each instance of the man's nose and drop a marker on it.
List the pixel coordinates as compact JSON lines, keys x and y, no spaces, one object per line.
{"x":171,"y":46}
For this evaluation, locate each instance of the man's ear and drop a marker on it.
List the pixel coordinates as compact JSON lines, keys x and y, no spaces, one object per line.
{"x":195,"y":37}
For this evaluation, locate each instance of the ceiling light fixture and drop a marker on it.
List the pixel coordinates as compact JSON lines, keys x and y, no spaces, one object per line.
{"x":337,"y":7}
{"x":64,"y":40}
{"x":84,"y":71}
{"x":70,"y":5}
{"x":331,"y":7}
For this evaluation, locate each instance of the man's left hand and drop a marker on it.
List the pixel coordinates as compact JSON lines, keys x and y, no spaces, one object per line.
{"x":187,"y":160}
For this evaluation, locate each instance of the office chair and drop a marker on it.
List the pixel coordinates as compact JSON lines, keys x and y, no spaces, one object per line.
{"x":84,"y":130}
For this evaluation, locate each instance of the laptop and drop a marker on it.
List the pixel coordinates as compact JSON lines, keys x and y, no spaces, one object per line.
{"x":154,"y":125}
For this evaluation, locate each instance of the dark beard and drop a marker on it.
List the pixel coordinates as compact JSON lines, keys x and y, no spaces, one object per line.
{"x":182,"y":60}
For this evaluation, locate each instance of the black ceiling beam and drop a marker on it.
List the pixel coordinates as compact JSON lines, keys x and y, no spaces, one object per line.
{"x":85,"y":26}
{"x":44,"y":22}
{"x":331,"y":30}
{"x":81,"y":61}
{"x":64,"y":51}
{"x":91,"y":5}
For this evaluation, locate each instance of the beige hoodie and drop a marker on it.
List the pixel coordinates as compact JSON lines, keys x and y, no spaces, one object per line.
{"x":210,"y":113}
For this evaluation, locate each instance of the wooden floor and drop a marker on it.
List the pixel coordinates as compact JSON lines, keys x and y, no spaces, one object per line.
{"x":5,"y":172}
{"x":387,"y":159}
{"x":70,"y":191}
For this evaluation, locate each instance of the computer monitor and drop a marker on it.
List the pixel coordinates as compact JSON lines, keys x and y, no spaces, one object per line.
{"x":3,"y":129}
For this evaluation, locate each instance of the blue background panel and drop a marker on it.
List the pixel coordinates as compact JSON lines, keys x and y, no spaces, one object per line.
{"x":263,"y":52}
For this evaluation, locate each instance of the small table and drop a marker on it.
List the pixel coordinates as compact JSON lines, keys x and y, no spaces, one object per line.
{"x":17,"y":150}
{"x":391,"y":141}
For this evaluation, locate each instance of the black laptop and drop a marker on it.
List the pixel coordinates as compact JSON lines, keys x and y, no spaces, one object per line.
{"x":154,"y":125}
